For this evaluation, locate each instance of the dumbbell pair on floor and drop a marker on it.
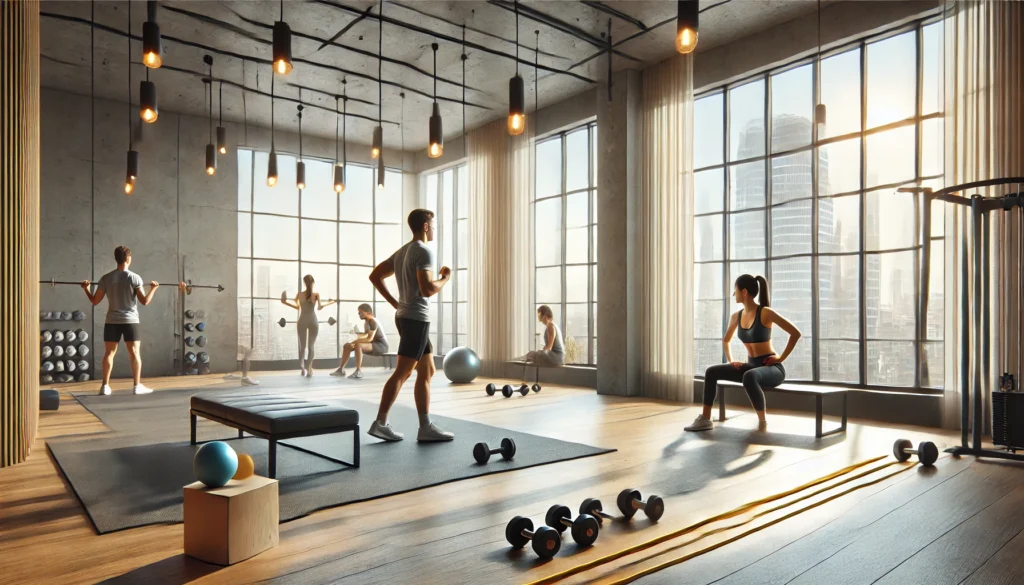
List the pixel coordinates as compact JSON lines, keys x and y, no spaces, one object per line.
{"x":927,"y":453}
{"x":507,"y":389}
{"x":547,"y":540}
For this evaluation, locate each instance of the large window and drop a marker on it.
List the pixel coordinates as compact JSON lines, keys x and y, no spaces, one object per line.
{"x":446,"y":193}
{"x":816,"y":210}
{"x":565,"y":238}
{"x":284,"y":234}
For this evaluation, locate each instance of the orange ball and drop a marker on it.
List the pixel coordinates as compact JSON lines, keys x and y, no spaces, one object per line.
{"x":246,"y":467}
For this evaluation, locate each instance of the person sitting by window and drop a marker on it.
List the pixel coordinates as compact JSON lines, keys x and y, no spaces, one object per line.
{"x":553,"y":353}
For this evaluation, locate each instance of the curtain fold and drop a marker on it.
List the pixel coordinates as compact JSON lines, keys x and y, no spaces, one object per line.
{"x":984,"y":96}
{"x":666,"y":220}
{"x":500,"y":314}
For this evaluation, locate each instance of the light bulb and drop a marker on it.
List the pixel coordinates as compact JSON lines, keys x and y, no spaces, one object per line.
{"x":152,"y":60}
{"x":436,"y":150}
{"x":516,"y":124}
{"x":282,"y":66}
{"x":148,"y":115}
{"x":339,"y":188}
{"x":211,"y":171}
{"x":271,"y":181}
{"x":128,"y":186}
{"x":686,"y":41}
{"x":374,"y":152}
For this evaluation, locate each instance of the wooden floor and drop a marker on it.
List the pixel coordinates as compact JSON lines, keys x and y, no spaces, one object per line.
{"x":960,"y":522}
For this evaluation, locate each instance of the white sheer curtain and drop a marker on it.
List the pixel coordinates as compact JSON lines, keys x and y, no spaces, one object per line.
{"x":500,"y":259}
{"x":666,"y":219}
{"x":984,"y":96}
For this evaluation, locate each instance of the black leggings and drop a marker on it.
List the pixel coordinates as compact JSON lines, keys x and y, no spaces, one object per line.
{"x":753,"y":374}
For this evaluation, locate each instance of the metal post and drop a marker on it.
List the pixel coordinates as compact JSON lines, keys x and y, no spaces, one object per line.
{"x":976,"y":215}
{"x":924,"y":289}
{"x":965,"y":337}
{"x":986,"y":357}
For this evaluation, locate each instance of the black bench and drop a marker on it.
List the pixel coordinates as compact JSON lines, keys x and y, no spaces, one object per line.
{"x":275,"y":417}
{"x":819,"y":393}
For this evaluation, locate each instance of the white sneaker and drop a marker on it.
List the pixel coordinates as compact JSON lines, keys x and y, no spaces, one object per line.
{"x":385,"y":432}
{"x":357,"y":375}
{"x":141,"y":389}
{"x":247,"y":381}
{"x":309,"y":373}
{"x":339,"y":373}
{"x":700,"y":424}
{"x":302,"y":372}
{"x":762,"y":426}
{"x":433,"y":433}
{"x":105,"y":390}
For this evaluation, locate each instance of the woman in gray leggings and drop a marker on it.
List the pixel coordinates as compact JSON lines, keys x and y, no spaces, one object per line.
{"x":763,"y":367}
{"x":307,"y":303}
{"x":553,"y":353}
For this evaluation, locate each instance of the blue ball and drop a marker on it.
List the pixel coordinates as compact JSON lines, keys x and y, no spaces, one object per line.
{"x":461,"y":365}
{"x":215,"y":463}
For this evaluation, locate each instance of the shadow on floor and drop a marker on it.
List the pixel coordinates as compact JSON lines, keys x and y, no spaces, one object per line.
{"x":176,"y":570}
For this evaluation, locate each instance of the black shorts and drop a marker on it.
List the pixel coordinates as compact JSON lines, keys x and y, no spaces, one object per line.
{"x":415,"y":336}
{"x":113,"y":332}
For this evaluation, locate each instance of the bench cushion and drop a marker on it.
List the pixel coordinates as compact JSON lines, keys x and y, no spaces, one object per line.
{"x":795,"y":388}
{"x":275,"y":414}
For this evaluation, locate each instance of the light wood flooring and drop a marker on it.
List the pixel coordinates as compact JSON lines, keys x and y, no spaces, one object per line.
{"x":960,"y":522}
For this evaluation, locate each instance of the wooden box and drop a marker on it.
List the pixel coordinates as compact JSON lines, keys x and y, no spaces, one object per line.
{"x":229,"y":524}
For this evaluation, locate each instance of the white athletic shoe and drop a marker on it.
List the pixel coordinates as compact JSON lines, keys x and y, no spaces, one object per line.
{"x":141,"y":389}
{"x":385,"y":432}
{"x":302,"y":372}
{"x":700,"y":424}
{"x":357,"y":375}
{"x":247,"y":381}
{"x":339,"y":373}
{"x":105,"y":390}
{"x":309,"y":373}
{"x":762,"y":426}
{"x":433,"y":433}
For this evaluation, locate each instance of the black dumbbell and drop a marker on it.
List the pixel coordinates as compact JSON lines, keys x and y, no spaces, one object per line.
{"x":482,"y":452}
{"x":926,"y":451}
{"x":593,"y":507}
{"x":524,"y":389}
{"x":536,"y":387}
{"x":629,"y":502}
{"x":282,"y":322}
{"x":585,"y":528}
{"x":546,"y":540}
{"x":506,"y":390}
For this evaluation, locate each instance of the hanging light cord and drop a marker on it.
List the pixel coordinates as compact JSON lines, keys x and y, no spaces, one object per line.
{"x":300,"y":124}
{"x":220,"y":104}
{"x":337,"y":128}
{"x":210,"y":89}
{"x":401,"y":124}
{"x":245,"y":109}
{"x":536,"y":78}
{"x":463,"y":89}
{"x":271,"y":110}
{"x":282,"y":10}
{"x":130,"y":141}
{"x":344,"y":127}
{"x":435,"y":72}
{"x":516,"y":6}
{"x":380,"y":70}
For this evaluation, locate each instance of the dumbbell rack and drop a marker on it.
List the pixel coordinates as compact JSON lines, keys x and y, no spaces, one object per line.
{"x":44,"y":325}
{"x":193,"y":319}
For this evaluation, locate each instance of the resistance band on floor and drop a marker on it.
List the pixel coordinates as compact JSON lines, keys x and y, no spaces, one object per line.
{"x":686,"y":530}
{"x":763,"y":513}
{"x":686,"y":557}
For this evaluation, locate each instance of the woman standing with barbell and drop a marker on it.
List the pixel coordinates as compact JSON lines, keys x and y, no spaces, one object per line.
{"x":307,"y":303}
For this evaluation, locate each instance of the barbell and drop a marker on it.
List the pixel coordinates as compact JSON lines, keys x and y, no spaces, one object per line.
{"x":188,"y":284}
{"x":282,"y":322}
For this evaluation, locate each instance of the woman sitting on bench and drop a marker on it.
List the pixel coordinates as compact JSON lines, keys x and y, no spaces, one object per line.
{"x":763,"y":366}
{"x":553,"y":353}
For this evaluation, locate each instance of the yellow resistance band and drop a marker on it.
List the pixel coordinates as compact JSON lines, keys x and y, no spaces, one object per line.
{"x":686,"y":530}
{"x":720,"y":529}
{"x":706,"y":550}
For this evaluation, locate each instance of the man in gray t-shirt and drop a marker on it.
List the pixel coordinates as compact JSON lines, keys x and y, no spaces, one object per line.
{"x":413,"y":266}
{"x":123,"y":290}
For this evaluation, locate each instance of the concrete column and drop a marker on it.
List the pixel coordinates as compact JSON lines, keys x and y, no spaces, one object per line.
{"x":618,"y":252}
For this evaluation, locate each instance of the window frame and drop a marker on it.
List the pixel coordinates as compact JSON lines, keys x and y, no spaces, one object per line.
{"x":458,"y":290}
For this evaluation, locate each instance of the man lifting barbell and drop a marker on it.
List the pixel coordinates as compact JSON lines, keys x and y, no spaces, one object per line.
{"x":123,"y":290}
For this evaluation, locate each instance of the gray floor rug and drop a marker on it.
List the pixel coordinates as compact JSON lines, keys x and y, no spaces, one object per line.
{"x":133,"y":476}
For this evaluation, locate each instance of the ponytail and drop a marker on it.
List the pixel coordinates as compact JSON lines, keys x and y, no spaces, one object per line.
{"x":764,"y":298}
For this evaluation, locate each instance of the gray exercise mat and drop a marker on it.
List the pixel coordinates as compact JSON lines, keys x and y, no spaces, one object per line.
{"x":134,"y":475}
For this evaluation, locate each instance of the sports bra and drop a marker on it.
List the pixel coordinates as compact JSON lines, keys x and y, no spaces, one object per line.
{"x":757,"y":333}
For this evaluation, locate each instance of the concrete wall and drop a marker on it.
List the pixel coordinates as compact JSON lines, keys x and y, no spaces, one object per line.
{"x":176,"y":216}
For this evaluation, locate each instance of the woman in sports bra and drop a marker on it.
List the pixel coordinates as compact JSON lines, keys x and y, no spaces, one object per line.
{"x":307,"y":303}
{"x":763,"y":367}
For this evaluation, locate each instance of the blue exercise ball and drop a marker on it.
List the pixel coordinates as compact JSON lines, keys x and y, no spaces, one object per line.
{"x":461,"y":365}
{"x":215,"y":463}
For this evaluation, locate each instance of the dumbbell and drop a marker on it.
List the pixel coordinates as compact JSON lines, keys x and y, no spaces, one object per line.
{"x":585,"y":528}
{"x":926,"y":451}
{"x":482,"y":452}
{"x":546,"y":540}
{"x":629,"y":502}
{"x":282,"y":322}
{"x":537,"y":387}
{"x":593,"y":507}
{"x":506,"y":390}
{"x":58,"y":351}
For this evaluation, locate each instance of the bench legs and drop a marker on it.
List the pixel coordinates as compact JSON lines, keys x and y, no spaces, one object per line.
{"x":193,"y":417}
{"x":272,"y":459}
{"x":818,"y":418}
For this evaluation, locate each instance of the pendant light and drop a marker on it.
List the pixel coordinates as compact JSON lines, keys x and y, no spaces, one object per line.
{"x":687,"y":25}
{"x":282,"y":45}
{"x":339,"y":164}
{"x":436,"y":147}
{"x":819,"y":108}
{"x":132,"y":171}
{"x":516,"y":92}
{"x":148,"y":109}
{"x":211,"y":151}
{"x":300,"y":166}
{"x":152,"y":52}
{"x":378,"y":133}
{"x":222,"y":132}
{"x":272,"y":160}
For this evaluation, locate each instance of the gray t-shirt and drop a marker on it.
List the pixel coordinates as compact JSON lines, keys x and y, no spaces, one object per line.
{"x":119,"y":287}
{"x":408,"y":260}
{"x":371,"y":325}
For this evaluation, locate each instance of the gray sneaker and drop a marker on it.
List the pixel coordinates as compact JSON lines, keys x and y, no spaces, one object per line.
{"x":357,"y":375}
{"x":433,"y":433}
{"x":339,"y":373}
{"x":247,"y":381}
{"x":384,"y":432}
{"x":700,"y":424}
